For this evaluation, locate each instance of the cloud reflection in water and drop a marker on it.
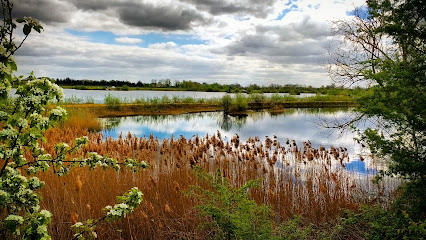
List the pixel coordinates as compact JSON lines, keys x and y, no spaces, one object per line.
{"x":295,"y":124}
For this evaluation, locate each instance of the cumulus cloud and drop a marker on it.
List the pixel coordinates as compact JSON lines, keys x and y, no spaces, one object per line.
{"x":245,"y":41}
{"x":128,"y":40}
{"x":167,"y":45}
{"x":166,"y":16}
{"x":47,"y":11}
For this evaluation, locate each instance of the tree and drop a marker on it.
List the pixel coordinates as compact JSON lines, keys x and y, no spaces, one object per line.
{"x":23,"y":121}
{"x":384,"y":46}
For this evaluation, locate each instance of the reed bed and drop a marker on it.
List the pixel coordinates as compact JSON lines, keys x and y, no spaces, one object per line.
{"x":116,"y":106}
{"x":297,"y":180}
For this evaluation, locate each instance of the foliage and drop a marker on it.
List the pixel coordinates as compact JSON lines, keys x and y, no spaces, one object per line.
{"x":112,"y":101}
{"x":226,"y":102}
{"x":240,"y":102}
{"x":294,"y":89}
{"x":294,"y":229}
{"x":386,"y":47}
{"x":128,"y":202}
{"x":257,"y":98}
{"x":377,"y":223}
{"x":230,"y":210}
{"x":76,"y":100}
{"x":23,"y":122}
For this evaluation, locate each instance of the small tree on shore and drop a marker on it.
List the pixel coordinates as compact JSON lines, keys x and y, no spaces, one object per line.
{"x":384,"y":46}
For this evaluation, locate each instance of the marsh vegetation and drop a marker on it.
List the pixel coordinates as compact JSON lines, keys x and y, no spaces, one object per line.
{"x":297,"y":179}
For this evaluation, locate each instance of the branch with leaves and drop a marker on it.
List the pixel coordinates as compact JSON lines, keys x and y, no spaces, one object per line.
{"x":24,"y":118}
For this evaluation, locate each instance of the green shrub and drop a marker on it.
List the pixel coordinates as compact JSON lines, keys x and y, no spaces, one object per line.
{"x":240,"y":102}
{"x":377,"y":223}
{"x":294,"y":229}
{"x":226,"y":102}
{"x":257,"y":98}
{"x":232,"y":214}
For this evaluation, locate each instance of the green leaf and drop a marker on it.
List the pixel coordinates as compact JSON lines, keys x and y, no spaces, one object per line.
{"x":27,"y":29}
{"x":20,"y":20}
{"x":38,"y":28}
{"x":13,"y":66}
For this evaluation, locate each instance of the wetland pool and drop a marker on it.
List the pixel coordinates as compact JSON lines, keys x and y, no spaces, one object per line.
{"x":300,"y":125}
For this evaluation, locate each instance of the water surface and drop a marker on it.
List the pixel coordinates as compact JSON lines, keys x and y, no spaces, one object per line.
{"x":300,"y":125}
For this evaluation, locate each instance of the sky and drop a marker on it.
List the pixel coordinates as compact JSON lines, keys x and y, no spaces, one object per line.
{"x":247,"y":42}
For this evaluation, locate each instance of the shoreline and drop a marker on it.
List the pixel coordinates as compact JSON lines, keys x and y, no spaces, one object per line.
{"x":133,"y":109}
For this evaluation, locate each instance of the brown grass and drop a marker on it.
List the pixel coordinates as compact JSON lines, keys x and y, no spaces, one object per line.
{"x":307,"y":184}
{"x":130,"y":109}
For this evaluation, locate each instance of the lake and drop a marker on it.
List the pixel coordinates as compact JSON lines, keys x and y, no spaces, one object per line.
{"x":98,"y":96}
{"x":301,"y":125}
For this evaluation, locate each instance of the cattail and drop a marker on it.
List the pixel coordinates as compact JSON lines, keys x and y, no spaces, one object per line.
{"x":74,"y":218}
{"x":153,"y":181}
{"x":177,"y":187}
{"x":144,"y":215}
{"x":167,"y":208}
{"x":151,"y":207}
{"x":322,"y":189}
{"x":78,"y":184}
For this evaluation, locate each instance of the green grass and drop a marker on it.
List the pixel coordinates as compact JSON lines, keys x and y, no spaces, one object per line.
{"x":230,"y":104}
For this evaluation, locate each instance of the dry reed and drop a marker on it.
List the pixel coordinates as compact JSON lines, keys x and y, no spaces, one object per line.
{"x":296,"y":180}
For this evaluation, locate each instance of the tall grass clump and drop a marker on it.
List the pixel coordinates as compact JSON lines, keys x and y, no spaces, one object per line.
{"x":165,"y":100}
{"x":281,"y":98}
{"x":188,"y":100}
{"x":257,"y":98}
{"x":240,"y":102}
{"x":112,"y":102}
{"x":81,"y":119}
{"x":77,"y":100}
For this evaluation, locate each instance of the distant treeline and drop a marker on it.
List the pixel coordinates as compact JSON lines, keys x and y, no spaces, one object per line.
{"x":187,"y":85}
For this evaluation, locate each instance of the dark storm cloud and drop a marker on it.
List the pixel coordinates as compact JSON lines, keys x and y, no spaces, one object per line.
{"x":219,"y":7}
{"x":93,"y":5}
{"x":163,"y":17}
{"x":139,"y":14}
{"x":47,"y":11}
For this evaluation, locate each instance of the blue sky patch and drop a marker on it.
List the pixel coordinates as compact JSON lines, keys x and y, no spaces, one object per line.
{"x":179,"y":39}
{"x":360,"y":167}
{"x":285,"y":11}
{"x":361,"y":11}
{"x":96,"y":37}
{"x":290,"y":2}
{"x":147,"y":39}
